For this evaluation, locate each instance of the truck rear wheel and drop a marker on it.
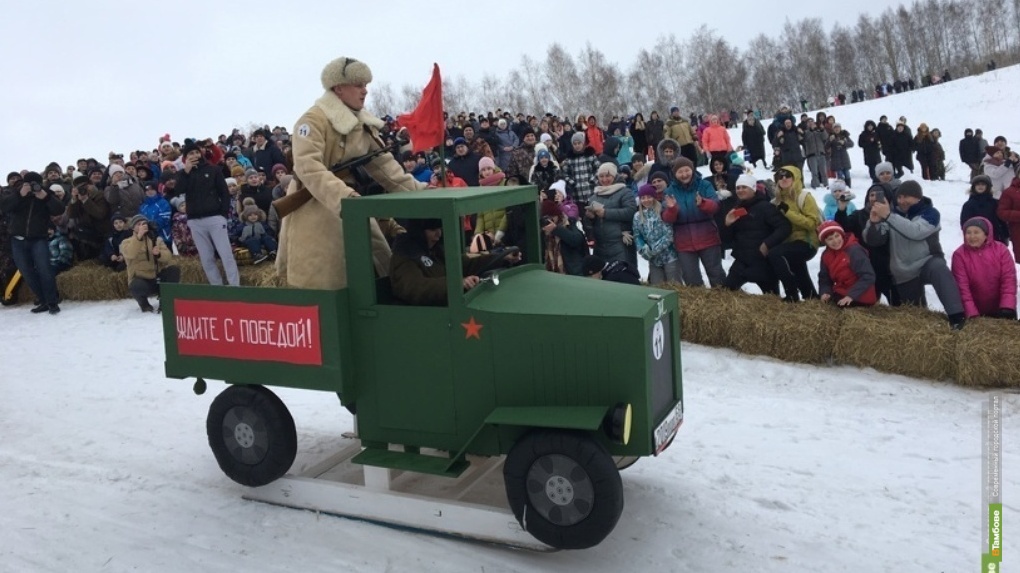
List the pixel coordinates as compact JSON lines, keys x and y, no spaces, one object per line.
{"x":252,"y":434}
{"x":563,"y":488}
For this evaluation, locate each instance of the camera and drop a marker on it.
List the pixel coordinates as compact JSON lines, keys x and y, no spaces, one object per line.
{"x":544,"y":221}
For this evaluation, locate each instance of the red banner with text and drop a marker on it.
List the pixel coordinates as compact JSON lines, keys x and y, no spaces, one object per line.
{"x":248,"y":331}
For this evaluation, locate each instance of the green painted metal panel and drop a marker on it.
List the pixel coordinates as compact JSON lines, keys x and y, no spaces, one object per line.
{"x":411,"y":462}
{"x":571,"y":417}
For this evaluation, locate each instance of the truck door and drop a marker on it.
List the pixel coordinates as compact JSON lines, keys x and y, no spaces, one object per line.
{"x":413,"y":380}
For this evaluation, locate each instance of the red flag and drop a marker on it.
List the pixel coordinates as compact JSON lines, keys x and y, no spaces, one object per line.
{"x":425,"y":124}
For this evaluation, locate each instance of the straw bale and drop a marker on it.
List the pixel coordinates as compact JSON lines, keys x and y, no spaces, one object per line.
{"x":904,"y":340}
{"x":988,"y":353}
{"x":703,"y":316}
{"x":804,"y":332}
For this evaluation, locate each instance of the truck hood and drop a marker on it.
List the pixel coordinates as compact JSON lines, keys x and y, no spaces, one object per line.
{"x":536,"y":291}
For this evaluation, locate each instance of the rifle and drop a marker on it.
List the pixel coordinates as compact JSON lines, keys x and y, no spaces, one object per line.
{"x":345,"y":170}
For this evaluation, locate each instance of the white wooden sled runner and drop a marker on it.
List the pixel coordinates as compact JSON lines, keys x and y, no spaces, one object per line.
{"x":472,"y":506}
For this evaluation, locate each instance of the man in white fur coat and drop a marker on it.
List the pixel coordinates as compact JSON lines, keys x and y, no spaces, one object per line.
{"x":336,"y":128}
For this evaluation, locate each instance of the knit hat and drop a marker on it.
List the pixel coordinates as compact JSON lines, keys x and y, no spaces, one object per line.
{"x":747,"y":180}
{"x":837,"y":185}
{"x":345,"y":72}
{"x":577,"y":137}
{"x":137,"y":219}
{"x":673,"y":109}
{"x":910,"y":189}
{"x":884,"y":167}
{"x":646,"y":190}
{"x":116,"y":169}
{"x":56,"y":187}
{"x":250,"y":171}
{"x":79,"y":180}
{"x":486,"y":162}
{"x":459,"y":141}
{"x":526,"y":130}
{"x":231,"y":181}
{"x":607,"y":168}
{"x":991,"y":150}
{"x":501,"y":123}
{"x":681,"y":162}
{"x":118,"y":217}
{"x":979,"y":222}
{"x":545,"y":138}
{"x":176,"y":202}
{"x":543,"y":154}
{"x":559,"y":186}
{"x":570,"y":210}
{"x":278,"y":167}
{"x":250,"y":210}
{"x":166,"y":164}
{"x":828,"y":228}
{"x":151,"y":185}
{"x":188,"y":148}
{"x":658,"y":174}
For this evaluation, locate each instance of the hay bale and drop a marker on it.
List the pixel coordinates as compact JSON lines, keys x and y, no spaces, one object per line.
{"x":988,"y":353}
{"x":904,"y":340}
{"x":90,"y":280}
{"x":702,"y":316}
{"x":804,"y":332}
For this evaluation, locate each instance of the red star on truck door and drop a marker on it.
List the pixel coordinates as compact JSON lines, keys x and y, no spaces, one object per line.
{"x":472,"y":329}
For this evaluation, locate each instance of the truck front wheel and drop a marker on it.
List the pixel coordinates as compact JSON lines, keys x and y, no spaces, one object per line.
{"x":563,"y":488}
{"x":252,"y":434}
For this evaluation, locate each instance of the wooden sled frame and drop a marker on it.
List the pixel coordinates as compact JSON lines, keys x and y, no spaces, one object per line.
{"x":405,"y":500}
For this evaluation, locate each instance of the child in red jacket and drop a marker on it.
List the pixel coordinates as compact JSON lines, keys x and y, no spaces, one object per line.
{"x":846,"y":276}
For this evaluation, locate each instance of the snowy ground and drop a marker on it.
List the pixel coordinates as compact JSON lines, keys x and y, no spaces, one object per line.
{"x":778,"y":467}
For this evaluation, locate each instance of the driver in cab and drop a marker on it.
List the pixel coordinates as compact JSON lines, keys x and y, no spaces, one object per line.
{"x":418,"y":264}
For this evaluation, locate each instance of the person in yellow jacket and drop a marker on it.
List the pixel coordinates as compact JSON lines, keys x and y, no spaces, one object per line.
{"x":148,"y":263}
{"x":789,"y":259}
{"x":335,"y":128}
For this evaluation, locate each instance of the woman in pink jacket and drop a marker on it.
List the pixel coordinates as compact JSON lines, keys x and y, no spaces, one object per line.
{"x":984,"y":271}
{"x":715,"y":140}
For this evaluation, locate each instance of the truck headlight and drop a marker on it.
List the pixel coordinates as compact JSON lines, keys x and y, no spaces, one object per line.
{"x":617,"y":423}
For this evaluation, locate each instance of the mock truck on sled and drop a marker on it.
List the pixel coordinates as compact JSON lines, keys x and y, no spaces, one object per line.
{"x":569,"y":378}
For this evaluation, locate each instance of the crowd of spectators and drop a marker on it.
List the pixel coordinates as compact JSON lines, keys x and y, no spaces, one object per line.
{"x":676,"y":192}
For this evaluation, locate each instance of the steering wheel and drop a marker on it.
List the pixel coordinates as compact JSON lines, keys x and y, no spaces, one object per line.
{"x":497,"y":262}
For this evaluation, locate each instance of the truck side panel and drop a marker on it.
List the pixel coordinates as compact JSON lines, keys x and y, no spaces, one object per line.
{"x":272,"y":336}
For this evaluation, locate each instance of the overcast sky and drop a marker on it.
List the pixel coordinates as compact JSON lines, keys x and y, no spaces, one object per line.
{"x":84,"y":79}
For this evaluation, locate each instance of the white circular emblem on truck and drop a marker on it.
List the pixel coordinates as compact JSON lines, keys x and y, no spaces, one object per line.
{"x":658,"y":340}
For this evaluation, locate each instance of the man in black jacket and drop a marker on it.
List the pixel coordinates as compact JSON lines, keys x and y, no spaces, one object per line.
{"x":29,"y":207}
{"x":265,"y":153}
{"x":208,"y":202}
{"x":971,"y":152}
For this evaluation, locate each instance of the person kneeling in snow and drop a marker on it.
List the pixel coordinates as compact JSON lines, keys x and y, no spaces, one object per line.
{"x":148,"y":263}
{"x":846,"y":276}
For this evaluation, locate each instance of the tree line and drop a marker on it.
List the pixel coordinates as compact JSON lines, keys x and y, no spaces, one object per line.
{"x":704,"y":72}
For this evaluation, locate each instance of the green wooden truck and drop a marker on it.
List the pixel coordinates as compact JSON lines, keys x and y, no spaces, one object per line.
{"x":565,"y":376}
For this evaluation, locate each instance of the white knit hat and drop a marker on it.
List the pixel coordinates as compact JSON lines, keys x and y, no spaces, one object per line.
{"x":747,"y":180}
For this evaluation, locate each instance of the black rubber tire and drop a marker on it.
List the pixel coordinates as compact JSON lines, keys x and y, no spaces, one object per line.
{"x":252,"y":434}
{"x":563,"y":488}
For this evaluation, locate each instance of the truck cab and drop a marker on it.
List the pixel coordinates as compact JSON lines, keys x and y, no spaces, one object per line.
{"x":561,"y":374}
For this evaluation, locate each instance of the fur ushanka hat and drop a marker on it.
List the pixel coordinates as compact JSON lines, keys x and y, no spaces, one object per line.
{"x":345,"y":72}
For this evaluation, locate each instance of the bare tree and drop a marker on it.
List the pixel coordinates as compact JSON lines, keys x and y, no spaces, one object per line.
{"x":382,"y":100}
{"x":562,"y":79}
